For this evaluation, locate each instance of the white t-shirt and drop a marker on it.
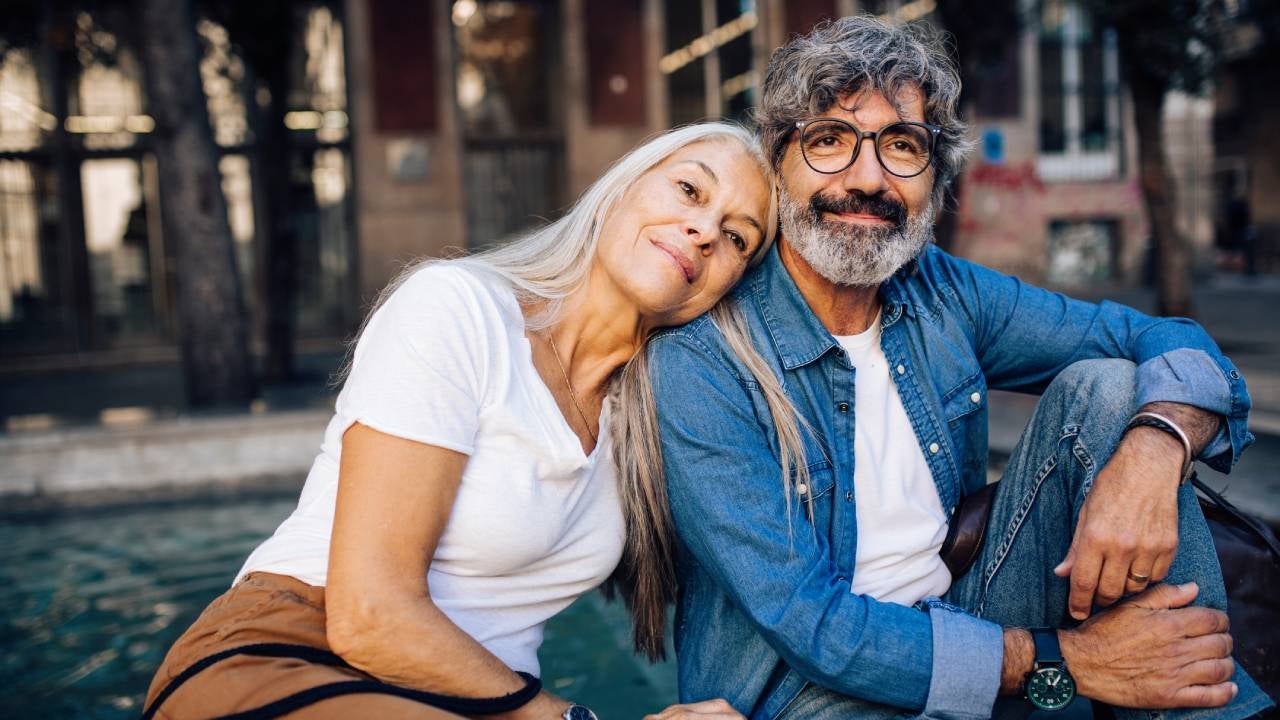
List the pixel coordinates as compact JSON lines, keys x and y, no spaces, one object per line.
{"x":535,"y":524}
{"x":901,"y":524}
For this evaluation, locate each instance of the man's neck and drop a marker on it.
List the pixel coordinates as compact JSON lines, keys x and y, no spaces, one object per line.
{"x":842,"y":309}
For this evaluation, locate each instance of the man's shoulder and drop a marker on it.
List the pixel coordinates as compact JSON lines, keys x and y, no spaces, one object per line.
{"x":698,"y":336}
{"x":937,"y":272}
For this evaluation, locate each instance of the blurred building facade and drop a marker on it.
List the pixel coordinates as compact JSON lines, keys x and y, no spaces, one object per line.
{"x":416,"y":127}
{"x":86,"y":274}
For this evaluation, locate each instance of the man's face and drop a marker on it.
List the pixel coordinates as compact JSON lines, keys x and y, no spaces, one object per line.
{"x":859,"y":226}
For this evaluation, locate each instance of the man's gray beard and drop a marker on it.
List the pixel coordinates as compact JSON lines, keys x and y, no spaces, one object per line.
{"x":855,"y":255}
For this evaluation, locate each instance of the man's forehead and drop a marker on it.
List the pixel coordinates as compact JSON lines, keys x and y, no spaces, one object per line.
{"x":907,"y":102}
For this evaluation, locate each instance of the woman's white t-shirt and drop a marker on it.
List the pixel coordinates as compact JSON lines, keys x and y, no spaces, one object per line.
{"x":536,"y":522}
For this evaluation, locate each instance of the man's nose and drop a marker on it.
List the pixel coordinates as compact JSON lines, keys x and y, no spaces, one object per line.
{"x":866,"y":174}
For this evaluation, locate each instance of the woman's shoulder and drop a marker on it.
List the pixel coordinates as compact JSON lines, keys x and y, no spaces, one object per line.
{"x":451,"y":291}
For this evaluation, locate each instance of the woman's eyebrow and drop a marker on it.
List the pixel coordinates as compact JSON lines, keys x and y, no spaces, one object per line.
{"x":749,"y":220}
{"x":705,"y":168}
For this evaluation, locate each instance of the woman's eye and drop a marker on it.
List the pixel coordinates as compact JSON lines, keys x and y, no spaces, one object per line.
{"x":688,"y":188}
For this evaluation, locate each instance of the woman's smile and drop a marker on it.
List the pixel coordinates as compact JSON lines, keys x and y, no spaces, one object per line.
{"x":682,"y":261}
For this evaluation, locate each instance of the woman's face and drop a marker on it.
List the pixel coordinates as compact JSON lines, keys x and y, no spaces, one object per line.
{"x":681,"y":236}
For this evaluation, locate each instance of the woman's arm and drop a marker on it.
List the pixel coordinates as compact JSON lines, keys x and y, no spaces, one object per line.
{"x":394,"y":500}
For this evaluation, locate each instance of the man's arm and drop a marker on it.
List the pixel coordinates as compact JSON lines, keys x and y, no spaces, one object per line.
{"x":1127,"y":532}
{"x":1151,"y":651}
{"x":1024,"y":336}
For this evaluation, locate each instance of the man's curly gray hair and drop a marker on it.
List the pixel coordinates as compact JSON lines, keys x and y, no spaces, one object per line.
{"x":808,"y":75}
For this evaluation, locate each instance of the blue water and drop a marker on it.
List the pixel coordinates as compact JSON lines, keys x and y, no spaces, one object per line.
{"x":90,"y":603}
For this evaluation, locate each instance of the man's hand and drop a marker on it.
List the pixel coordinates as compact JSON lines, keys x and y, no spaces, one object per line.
{"x":1127,"y":533}
{"x":1152,"y":651}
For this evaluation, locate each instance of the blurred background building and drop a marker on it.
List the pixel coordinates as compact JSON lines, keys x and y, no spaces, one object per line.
{"x":383,"y":130}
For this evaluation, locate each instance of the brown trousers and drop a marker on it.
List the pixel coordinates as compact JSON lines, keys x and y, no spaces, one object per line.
{"x":266,"y":608}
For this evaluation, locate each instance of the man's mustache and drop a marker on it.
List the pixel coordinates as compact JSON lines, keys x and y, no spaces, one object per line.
{"x":861,"y":204}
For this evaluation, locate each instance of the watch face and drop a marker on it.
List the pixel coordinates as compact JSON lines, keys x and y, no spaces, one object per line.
{"x":1050,"y":688}
{"x":577,"y":712}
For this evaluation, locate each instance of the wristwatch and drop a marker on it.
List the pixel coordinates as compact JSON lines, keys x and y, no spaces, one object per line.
{"x":1049,"y":686}
{"x":578,"y":712}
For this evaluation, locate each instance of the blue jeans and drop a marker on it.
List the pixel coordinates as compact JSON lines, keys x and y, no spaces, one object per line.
{"x":1075,"y":429}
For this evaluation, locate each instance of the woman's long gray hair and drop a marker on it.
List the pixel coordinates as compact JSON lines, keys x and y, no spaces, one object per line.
{"x":544,"y":267}
{"x":647,"y":573}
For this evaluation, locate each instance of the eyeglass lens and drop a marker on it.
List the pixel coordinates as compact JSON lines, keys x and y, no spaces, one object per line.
{"x":831,"y":146}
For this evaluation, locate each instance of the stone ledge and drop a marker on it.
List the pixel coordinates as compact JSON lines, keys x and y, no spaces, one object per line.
{"x":167,"y":458}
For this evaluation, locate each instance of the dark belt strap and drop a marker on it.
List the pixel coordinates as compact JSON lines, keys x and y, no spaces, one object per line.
{"x":303,"y":698}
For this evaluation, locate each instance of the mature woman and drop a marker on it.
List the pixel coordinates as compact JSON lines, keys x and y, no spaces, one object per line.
{"x":465,"y":491}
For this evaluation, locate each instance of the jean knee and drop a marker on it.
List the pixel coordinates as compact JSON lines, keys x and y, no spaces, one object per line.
{"x":1097,"y":392}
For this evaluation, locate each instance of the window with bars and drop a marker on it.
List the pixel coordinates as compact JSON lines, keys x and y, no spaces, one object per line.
{"x":708,"y":59}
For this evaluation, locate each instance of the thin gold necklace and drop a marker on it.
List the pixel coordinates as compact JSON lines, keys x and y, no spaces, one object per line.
{"x":573,"y":395}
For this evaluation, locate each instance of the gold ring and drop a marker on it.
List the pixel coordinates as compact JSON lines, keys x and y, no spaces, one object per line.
{"x":1140,"y":579}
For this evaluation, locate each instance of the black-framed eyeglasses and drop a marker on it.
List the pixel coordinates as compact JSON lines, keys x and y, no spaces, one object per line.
{"x":903,"y":148}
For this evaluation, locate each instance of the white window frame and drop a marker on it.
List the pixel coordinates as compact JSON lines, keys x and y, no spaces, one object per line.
{"x":1075,"y":163}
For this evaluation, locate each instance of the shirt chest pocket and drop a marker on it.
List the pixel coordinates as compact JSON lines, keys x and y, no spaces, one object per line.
{"x":815,"y":492}
{"x":965,"y":408}
{"x":965,"y":398}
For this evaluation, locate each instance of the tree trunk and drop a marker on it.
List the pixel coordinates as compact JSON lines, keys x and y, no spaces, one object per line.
{"x":211,"y":316}
{"x":281,"y":236}
{"x":1173,"y":254}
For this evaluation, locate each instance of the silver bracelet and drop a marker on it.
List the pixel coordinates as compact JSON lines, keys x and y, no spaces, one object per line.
{"x":1160,"y":422}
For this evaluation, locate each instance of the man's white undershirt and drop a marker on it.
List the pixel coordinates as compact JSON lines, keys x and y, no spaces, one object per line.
{"x":901,"y":523}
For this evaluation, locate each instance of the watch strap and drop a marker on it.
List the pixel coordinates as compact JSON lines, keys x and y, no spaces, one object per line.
{"x":1048,"y":652}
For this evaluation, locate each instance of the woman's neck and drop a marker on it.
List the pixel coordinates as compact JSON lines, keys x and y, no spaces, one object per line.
{"x":597,"y":332}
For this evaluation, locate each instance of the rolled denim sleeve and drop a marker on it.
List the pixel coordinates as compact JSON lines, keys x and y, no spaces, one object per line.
{"x":968,"y":654}
{"x":1193,"y":377}
{"x":1024,"y":336}
{"x":734,"y":520}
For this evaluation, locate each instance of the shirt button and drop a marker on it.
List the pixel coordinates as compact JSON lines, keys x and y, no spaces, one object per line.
{"x":934,"y":448}
{"x":843,"y":407}
{"x":848,"y":496}
{"x":802,"y":488}
{"x":976,"y":397}
{"x":902,"y":370}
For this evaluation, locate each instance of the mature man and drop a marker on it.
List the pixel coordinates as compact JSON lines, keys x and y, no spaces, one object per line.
{"x":825,"y":596}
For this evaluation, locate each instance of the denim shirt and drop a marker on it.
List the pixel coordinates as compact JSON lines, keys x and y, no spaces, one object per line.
{"x":764,"y":603}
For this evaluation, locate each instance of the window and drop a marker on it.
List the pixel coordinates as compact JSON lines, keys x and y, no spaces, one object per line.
{"x":1082,"y":252}
{"x":1079,"y":95}
{"x":709,"y":59}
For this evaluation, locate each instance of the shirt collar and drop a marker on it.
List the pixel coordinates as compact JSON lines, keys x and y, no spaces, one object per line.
{"x":797,"y":334}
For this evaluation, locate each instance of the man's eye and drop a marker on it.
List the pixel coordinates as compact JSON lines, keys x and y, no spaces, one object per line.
{"x":738,"y":241}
